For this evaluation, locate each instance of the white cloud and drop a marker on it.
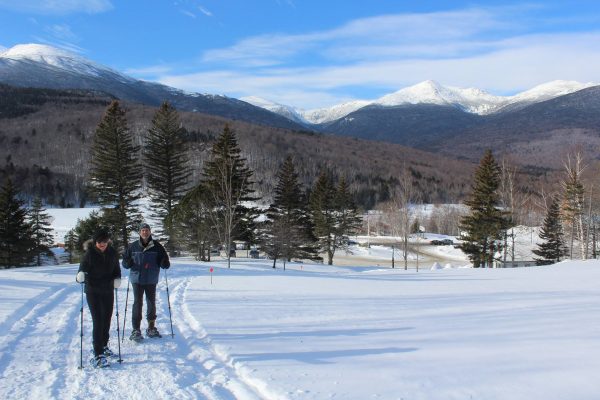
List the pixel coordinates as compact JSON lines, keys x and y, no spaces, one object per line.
{"x":59,"y":7}
{"x":492,"y":49}
{"x":205,"y":11}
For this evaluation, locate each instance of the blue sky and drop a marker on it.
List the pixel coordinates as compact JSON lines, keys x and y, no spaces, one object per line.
{"x":312,"y":54}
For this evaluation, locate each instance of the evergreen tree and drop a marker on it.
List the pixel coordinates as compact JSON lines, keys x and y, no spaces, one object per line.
{"x":287,"y":232}
{"x":15,"y":232}
{"x":554,"y":248}
{"x":192,"y":224}
{"x":167,"y":170}
{"x":82,"y":232}
{"x":333,"y":213}
{"x":349,"y":221}
{"x":322,"y":208}
{"x":228,"y":182}
{"x":115,"y":174}
{"x":71,"y":245}
{"x":41,"y":231}
{"x":485,"y":224}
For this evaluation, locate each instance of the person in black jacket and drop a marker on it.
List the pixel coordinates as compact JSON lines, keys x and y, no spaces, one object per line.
{"x":144,"y":257}
{"x":100,"y":271}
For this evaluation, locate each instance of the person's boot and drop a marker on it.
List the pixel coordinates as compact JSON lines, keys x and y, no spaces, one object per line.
{"x":136,"y":335}
{"x":152,"y":332}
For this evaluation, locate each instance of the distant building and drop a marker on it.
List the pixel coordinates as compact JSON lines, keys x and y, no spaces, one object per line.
{"x":514,"y":264}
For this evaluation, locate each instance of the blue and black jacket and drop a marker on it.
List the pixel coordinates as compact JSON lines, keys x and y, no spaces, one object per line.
{"x":145,"y":261}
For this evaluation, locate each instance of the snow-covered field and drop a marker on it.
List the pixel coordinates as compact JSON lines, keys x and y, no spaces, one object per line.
{"x":316,"y":332}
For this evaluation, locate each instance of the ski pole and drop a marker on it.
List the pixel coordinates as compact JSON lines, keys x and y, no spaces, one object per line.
{"x":169,"y":302}
{"x":125,"y":316}
{"x":81,"y":330}
{"x":118,"y":330}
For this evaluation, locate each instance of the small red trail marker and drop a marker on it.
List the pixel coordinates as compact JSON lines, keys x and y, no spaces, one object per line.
{"x":211,"y":272}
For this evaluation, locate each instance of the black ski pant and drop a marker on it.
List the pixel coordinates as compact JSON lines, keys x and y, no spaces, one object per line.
{"x":138,"y":302}
{"x":101,"y":308}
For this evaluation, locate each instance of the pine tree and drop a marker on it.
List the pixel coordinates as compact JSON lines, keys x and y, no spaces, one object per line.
{"x":115,"y":174}
{"x":82,"y":232}
{"x":485,"y":224}
{"x":166,"y":165}
{"x":287,"y":232}
{"x":41,"y":231}
{"x":15,"y":232}
{"x":322,"y":208}
{"x":228,"y":182}
{"x":333,"y":213}
{"x":349,"y":221}
{"x":192,"y":224}
{"x":554,"y":248}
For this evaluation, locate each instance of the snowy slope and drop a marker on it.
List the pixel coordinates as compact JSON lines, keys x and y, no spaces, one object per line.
{"x":57,"y":58}
{"x":316,"y":332}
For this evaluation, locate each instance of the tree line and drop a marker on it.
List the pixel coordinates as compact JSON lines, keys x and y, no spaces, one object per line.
{"x":221,"y":208}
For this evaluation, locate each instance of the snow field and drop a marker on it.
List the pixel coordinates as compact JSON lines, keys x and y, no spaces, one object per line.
{"x":315,"y":332}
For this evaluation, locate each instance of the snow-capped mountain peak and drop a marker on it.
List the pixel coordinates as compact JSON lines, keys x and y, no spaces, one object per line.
{"x":54,"y":57}
{"x":281,"y":109}
{"x":549,"y":90}
{"x":430,"y":92}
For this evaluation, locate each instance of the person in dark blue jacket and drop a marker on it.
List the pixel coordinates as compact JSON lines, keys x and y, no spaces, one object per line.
{"x":99,"y":269}
{"x":144,"y":258}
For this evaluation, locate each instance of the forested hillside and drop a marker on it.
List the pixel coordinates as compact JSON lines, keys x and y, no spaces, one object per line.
{"x":46,"y":134}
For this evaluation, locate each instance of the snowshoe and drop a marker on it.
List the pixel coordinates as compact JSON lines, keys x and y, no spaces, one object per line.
{"x":153,"y":333}
{"x":108,"y":352}
{"x":100,"y":361}
{"x":136,"y":336}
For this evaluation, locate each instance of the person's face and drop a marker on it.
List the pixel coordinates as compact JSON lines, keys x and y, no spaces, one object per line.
{"x":145,"y":233}
{"x":102,"y":245}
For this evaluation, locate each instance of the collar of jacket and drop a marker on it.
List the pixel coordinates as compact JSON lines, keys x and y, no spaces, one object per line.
{"x":148,"y":245}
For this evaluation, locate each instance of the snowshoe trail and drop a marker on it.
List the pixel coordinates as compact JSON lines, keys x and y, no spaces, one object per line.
{"x":40,"y":354}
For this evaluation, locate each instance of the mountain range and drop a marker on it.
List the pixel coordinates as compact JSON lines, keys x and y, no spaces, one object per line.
{"x":471,"y":100}
{"x":533,"y":125}
{"x":42,"y":66}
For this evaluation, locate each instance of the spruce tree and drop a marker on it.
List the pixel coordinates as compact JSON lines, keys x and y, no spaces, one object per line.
{"x":288,"y":231}
{"x":553,"y":248}
{"x":484,"y":226}
{"x":349,"y":221}
{"x":15,"y":232}
{"x":167,"y":170}
{"x":322,"y":208}
{"x":41,"y":231}
{"x":192,"y":224}
{"x":115,"y":173}
{"x":228,"y":182}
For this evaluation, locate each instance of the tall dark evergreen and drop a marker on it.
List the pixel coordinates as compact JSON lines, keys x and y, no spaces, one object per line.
{"x":553,"y":248}
{"x":15,"y":231}
{"x":348,"y":218}
{"x":82,"y":232}
{"x":167,"y":169}
{"x":484,"y":226}
{"x":287,"y":231}
{"x":333,"y":214}
{"x":115,"y":174}
{"x":41,"y":231}
{"x":192,"y":224}
{"x":228,"y":182}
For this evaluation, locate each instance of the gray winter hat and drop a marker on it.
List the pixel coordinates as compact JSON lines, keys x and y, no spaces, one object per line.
{"x":144,"y":226}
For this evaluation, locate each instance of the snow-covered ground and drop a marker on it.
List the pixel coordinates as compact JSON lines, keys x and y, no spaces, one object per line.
{"x":316,"y":332}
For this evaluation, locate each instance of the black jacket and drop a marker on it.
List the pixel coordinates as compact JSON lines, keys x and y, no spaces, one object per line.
{"x":101,"y":269}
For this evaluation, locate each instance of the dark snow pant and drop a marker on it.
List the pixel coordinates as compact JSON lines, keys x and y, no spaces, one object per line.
{"x":138,"y":302}
{"x":101,"y":308}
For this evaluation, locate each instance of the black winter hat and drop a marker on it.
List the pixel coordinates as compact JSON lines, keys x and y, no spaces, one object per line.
{"x":144,"y":226}
{"x":101,"y":235}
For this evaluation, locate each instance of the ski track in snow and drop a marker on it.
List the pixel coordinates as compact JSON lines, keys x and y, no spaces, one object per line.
{"x":45,"y":332}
